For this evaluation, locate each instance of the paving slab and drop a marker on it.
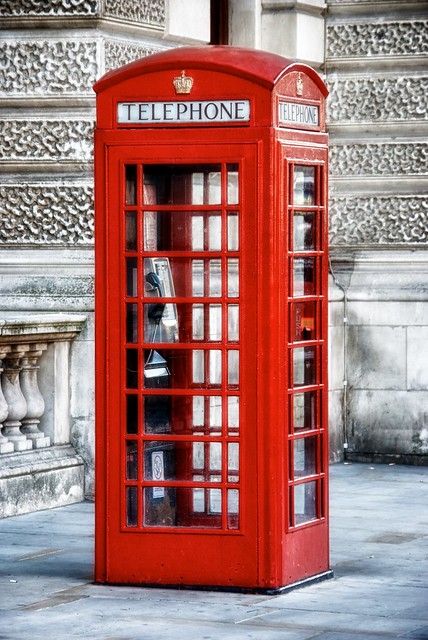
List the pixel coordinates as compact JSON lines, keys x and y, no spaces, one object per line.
{"x":379,"y":544}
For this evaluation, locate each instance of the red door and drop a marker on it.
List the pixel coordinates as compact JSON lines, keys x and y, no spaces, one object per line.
{"x":179,"y":442}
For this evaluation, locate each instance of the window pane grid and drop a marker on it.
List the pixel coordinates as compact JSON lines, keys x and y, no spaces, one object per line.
{"x":305,"y":332}
{"x":199,"y":221}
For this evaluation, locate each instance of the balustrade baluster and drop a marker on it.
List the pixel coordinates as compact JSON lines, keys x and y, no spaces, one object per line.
{"x":5,"y":445}
{"x":17,"y":405}
{"x":33,"y":397}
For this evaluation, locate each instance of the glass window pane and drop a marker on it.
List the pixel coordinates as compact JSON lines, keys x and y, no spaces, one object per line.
{"x":304,"y":185}
{"x":304,"y":321}
{"x":132,"y":323}
{"x":214,"y":287}
{"x":160,"y":508}
{"x":132,"y":414}
{"x":215,"y":456}
{"x":163,"y":459}
{"x":198,"y":411}
{"x":232,"y":232}
{"x":214,"y":233}
{"x":197,"y":233}
{"x":151,"y":236}
{"x":214,"y":500}
{"x":304,"y":457}
{"x":305,"y":502}
{"x":131,"y":506}
{"x":131,"y":231}
{"x":304,"y":411}
{"x":233,"y":278}
{"x":186,"y":184}
{"x":157,"y":374}
{"x":233,"y":415}
{"x":233,"y":323}
{"x":215,"y":366}
{"x":215,"y":325}
{"x":215,"y":413}
{"x":304,"y":231}
{"x":131,"y":460}
{"x":232,"y":509}
{"x":198,"y":331}
{"x":198,"y":366}
{"x":213,"y":187}
{"x":197,"y":278}
{"x":304,"y":277}
{"x":158,"y":414}
{"x":233,"y":461}
{"x":131,"y":277}
{"x":232,"y":184}
{"x":304,"y":370}
{"x":131,"y":184}
{"x":132,"y":369}
{"x":233,"y":367}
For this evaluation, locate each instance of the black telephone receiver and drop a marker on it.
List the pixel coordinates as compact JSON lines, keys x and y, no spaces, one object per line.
{"x":155,"y":311}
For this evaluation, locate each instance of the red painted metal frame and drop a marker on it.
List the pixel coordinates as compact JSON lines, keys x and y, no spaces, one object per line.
{"x":269,"y":550}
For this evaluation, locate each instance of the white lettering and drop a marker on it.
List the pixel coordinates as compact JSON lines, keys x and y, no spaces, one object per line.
{"x":183,"y":112}
{"x":296,"y":113}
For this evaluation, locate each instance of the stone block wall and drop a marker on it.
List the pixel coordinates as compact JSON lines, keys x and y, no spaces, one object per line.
{"x":51,"y":52}
{"x":376,"y":53}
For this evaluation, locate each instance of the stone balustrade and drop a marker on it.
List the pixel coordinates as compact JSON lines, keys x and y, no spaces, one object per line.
{"x":39,"y":467}
{"x":23,"y":341}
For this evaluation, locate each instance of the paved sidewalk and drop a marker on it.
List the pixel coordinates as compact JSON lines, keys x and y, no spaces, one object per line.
{"x":380,"y":590}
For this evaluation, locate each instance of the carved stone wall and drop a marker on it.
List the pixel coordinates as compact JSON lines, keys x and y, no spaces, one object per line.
{"x":31,"y":8}
{"x":382,"y":220}
{"x":377,"y":112}
{"x":357,"y":99}
{"x":47,"y":213}
{"x":150,"y":12}
{"x":384,"y":158}
{"x":48,"y":140}
{"x":120,"y":52}
{"x":48,"y":67}
{"x":377,"y":117}
{"x":384,"y":39}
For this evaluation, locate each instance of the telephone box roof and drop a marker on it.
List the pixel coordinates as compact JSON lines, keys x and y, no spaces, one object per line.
{"x":257,"y":66}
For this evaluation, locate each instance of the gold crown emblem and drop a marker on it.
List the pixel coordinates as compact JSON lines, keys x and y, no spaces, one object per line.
{"x":299,"y":85}
{"x":183,"y":83}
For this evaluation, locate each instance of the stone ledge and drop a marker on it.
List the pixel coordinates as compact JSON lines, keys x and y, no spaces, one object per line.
{"x":51,"y":327}
{"x":39,"y":479}
{"x":38,"y":460}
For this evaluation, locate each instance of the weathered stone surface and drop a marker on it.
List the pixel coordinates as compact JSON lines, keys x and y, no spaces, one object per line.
{"x":48,"y":67}
{"x":335,"y":425}
{"x":377,"y":158}
{"x":376,"y":99}
{"x":40,"y":479}
{"x":48,"y":214}
{"x":335,"y":362}
{"x":377,"y":39}
{"x":47,"y":140}
{"x":417,"y":359}
{"x":392,"y":219}
{"x":120,"y":52}
{"x":35,"y":8}
{"x":150,"y":12}
{"x":377,"y":357}
{"x":388,"y":422}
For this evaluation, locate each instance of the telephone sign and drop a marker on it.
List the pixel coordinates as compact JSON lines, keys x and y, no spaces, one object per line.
{"x":211,"y":322}
{"x":184,"y":111}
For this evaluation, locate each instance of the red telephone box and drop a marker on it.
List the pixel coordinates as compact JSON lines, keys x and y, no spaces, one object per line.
{"x":211,"y":321}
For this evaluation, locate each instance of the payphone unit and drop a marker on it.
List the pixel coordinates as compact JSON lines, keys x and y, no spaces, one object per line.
{"x":211,"y":321}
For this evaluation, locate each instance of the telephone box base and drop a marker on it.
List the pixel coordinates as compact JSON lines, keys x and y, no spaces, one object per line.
{"x":326,"y":575}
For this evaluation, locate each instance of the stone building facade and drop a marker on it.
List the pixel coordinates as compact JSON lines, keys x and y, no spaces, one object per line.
{"x":373,"y":53}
